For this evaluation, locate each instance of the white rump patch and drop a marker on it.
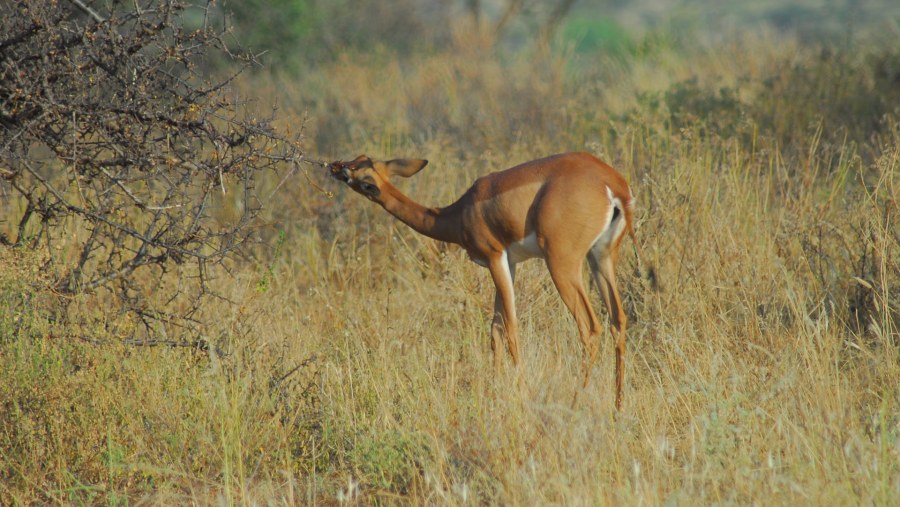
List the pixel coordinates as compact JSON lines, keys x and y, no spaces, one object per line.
{"x":615,"y":224}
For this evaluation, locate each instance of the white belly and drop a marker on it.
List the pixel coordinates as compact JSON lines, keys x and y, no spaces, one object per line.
{"x":526,"y":248}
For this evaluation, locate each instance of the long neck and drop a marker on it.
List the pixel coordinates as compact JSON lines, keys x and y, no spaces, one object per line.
{"x":442,"y":224}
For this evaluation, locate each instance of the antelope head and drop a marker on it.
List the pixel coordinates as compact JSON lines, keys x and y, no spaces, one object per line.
{"x":369,"y":177}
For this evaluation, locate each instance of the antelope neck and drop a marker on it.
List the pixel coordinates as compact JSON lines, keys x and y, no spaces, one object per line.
{"x":442,"y":224}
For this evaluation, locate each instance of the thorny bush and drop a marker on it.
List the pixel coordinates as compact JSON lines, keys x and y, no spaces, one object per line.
{"x":116,"y":152}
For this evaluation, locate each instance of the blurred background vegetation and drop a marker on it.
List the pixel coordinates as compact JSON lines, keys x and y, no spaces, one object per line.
{"x":838,"y":64}
{"x":307,"y":32}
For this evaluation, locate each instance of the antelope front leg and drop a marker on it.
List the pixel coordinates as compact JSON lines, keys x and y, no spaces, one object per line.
{"x":497,"y":331}
{"x":504,"y":310}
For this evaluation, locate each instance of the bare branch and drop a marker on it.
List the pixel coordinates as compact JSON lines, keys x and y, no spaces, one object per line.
{"x":512,"y":9}
{"x":87,"y":10}
{"x":133,"y":140}
{"x":556,"y":16}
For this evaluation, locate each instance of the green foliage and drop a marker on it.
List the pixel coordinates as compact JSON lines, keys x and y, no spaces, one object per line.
{"x":282,"y":29}
{"x":590,"y":34}
{"x":716,"y":112}
{"x":388,"y":461}
{"x":839,"y":95}
{"x":851,"y":93}
{"x":263,"y":284}
{"x":295,"y":34}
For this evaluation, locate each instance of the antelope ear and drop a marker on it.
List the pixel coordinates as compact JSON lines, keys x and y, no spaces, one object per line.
{"x":405,"y":167}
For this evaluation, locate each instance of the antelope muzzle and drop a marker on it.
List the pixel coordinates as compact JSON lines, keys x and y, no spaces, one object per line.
{"x":339,"y":171}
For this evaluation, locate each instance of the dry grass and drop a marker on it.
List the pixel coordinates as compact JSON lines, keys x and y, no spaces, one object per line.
{"x":356,"y":367}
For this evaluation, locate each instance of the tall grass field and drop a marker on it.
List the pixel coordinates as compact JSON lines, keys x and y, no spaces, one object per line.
{"x":352,"y":364}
